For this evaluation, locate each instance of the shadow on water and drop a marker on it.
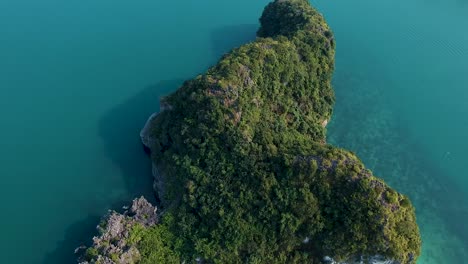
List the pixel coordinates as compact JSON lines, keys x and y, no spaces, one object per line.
{"x":75,"y":235}
{"x":120,"y":129}
{"x":78,"y":234}
{"x":226,"y":38}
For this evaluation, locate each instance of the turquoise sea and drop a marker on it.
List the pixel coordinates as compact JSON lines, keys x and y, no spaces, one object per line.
{"x":79,"y":78}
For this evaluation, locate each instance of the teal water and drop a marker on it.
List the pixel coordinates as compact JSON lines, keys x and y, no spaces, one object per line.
{"x":402,"y":106}
{"x":79,"y":78}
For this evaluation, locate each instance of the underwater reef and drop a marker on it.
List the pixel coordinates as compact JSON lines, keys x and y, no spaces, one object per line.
{"x":243,"y":171}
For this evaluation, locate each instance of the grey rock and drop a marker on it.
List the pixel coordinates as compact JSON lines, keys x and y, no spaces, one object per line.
{"x":144,"y":212}
{"x":149,"y":142}
{"x":112,"y":245}
{"x":377,"y":259}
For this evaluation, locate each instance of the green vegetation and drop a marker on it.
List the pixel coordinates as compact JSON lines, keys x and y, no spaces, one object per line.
{"x":91,"y":253}
{"x":247,"y":173}
{"x":156,"y":244}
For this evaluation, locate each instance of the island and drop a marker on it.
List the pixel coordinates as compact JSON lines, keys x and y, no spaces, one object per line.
{"x":243,"y":172}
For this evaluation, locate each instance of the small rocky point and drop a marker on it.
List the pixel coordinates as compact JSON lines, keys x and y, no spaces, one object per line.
{"x":113,"y":245}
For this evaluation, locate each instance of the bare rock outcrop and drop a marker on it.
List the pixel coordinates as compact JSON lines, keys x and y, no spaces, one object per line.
{"x":113,"y":244}
{"x":372,"y":260}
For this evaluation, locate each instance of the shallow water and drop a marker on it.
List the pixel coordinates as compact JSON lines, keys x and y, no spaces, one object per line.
{"x":79,"y":78}
{"x":402,"y":90}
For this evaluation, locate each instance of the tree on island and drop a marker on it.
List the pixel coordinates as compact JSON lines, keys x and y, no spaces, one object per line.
{"x":244,"y":173}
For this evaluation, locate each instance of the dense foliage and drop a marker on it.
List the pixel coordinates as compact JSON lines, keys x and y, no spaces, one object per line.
{"x":156,"y":244}
{"x":248,"y":176}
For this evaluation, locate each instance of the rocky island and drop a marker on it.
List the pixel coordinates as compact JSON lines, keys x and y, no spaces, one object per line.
{"x":243,"y":172}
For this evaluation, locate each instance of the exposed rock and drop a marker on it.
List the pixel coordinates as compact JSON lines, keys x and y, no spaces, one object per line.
{"x":148,"y":143}
{"x":373,"y":260}
{"x":145,"y":132}
{"x":113,"y":245}
{"x":158,"y":183}
{"x":144,"y":212}
{"x":164,"y":105}
{"x":325,"y":123}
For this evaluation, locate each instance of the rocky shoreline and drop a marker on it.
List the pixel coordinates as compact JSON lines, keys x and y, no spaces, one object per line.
{"x":114,"y":243}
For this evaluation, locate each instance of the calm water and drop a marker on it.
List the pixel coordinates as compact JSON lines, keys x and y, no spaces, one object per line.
{"x":79,"y":78}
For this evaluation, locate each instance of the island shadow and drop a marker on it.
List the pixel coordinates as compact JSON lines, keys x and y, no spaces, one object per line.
{"x":120,"y":131}
{"x":75,"y":235}
{"x":78,"y":234}
{"x":226,"y":38}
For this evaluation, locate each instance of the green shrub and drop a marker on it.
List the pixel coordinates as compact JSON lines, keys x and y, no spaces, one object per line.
{"x":156,"y":244}
{"x":91,"y":253}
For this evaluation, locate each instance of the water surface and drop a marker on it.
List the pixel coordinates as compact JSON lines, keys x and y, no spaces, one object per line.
{"x":402,"y":90}
{"x":79,"y":78}
{"x":77,"y":81}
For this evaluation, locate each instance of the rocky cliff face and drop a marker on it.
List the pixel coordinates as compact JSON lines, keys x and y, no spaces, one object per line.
{"x":114,"y":244}
{"x":149,"y":144}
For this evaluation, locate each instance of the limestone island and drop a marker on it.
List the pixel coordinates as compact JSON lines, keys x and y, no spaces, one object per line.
{"x":243,"y":172}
